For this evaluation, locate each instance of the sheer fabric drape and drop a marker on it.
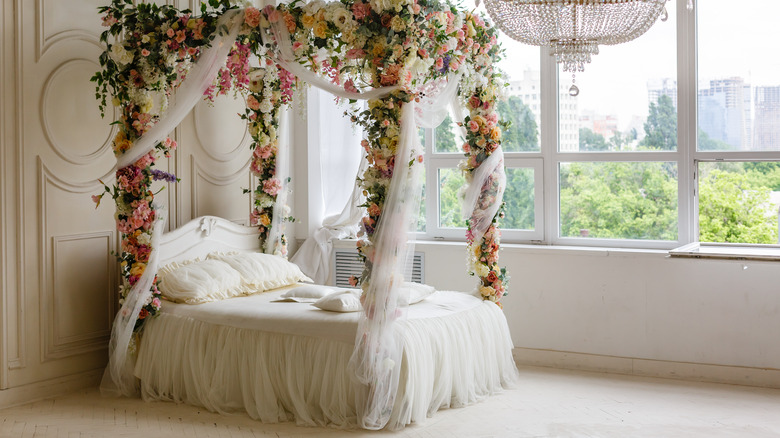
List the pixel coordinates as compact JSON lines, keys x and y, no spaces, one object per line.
{"x":376,"y":360}
{"x":118,"y":378}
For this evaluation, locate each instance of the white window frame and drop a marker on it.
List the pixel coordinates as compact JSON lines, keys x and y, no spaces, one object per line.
{"x":546,"y":162}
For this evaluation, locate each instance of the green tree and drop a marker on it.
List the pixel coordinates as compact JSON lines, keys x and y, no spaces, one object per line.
{"x":618,"y":201}
{"x":450,"y":182}
{"x":733,"y":208}
{"x":444,"y":137}
{"x":707,"y":143}
{"x":520,"y":131}
{"x":591,"y":141}
{"x":618,"y":141}
{"x":661,"y":126}
{"x":519,"y":199}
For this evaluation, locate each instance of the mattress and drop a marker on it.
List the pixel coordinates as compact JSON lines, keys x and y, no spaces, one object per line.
{"x":287,"y":361}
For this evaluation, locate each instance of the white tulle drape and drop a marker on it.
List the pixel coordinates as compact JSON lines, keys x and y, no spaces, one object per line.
{"x":190,"y":92}
{"x":376,"y":360}
{"x":273,"y":243}
{"x":118,"y":378}
{"x":485,"y":194}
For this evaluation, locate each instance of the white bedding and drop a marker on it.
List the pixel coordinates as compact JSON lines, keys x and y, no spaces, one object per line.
{"x":281,"y":361}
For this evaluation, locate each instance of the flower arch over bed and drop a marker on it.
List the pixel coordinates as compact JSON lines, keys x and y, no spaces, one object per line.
{"x":408,"y":58}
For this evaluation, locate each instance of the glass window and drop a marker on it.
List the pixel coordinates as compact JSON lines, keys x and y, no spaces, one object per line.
{"x":619,"y":200}
{"x":738,"y":202}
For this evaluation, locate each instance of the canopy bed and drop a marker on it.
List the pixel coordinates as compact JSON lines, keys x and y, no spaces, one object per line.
{"x":388,"y":364}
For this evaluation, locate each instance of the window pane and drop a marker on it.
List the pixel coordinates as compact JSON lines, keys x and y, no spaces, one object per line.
{"x":626,"y":200}
{"x":738,"y":202}
{"x":739,"y":80}
{"x":519,"y":199}
{"x":450,"y":182}
{"x":628,"y":95}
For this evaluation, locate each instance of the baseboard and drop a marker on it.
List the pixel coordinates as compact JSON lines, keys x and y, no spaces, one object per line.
{"x":735,"y":375}
{"x":49,"y":388}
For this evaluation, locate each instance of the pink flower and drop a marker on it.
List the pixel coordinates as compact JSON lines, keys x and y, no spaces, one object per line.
{"x":271,"y":13}
{"x":473,"y":126}
{"x":466,"y":148}
{"x":355,"y":54}
{"x":96,"y":199}
{"x":170,"y":33}
{"x":297,"y":45}
{"x":353,"y":281}
{"x":349,"y":85}
{"x":252,"y":103}
{"x":361,"y":10}
{"x":252,"y":16}
{"x":474,"y":102}
{"x":272,"y":186}
{"x":109,"y":20}
{"x":145,"y":52}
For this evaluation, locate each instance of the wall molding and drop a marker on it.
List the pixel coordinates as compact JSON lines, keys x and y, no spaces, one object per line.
{"x":698,"y":372}
{"x":18,"y":359}
{"x":197,"y":171}
{"x":62,"y":152}
{"x":44,"y":43}
{"x":59,"y":347}
{"x":53,"y":347}
{"x":243,"y":144}
{"x":49,"y":388}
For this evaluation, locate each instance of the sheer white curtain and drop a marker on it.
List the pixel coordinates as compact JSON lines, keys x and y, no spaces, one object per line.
{"x":334,"y":194}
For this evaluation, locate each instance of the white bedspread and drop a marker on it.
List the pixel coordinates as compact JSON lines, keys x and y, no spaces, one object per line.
{"x":281,"y":361}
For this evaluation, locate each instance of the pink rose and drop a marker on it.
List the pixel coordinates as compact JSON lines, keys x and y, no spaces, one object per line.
{"x":272,"y":186}
{"x":252,"y":17}
{"x":252,"y":103}
{"x":473,"y":126}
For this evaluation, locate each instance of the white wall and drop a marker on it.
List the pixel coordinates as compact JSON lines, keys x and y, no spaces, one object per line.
{"x":59,"y":282}
{"x":631,"y":304}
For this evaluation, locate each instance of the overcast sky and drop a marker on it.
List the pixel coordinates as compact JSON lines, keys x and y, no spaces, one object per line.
{"x":733,"y":41}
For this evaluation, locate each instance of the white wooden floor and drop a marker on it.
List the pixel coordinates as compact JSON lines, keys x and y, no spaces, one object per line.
{"x":548,"y":403}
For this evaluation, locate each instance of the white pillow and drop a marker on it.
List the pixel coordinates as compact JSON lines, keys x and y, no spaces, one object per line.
{"x":199,"y":281}
{"x":411,"y":293}
{"x":261,"y":272}
{"x":307,"y":293}
{"x":346,"y":301}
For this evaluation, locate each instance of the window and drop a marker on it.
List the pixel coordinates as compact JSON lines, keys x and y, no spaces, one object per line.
{"x":671,"y":140}
{"x":523,"y":158}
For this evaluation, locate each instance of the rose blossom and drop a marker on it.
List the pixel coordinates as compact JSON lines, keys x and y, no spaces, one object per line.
{"x":272,"y":186}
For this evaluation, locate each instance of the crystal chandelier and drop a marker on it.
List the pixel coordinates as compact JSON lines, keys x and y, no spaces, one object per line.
{"x":573,"y":29}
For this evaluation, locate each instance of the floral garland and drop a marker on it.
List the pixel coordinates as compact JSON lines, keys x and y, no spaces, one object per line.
{"x":483,"y":137}
{"x":153,"y":50}
{"x":355,"y":44}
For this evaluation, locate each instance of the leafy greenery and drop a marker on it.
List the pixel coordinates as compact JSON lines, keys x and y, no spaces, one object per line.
{"x":661,"y":126}
{"x":591,"y":141}
{"x":521,"y":134}
{"x":633,"y":200}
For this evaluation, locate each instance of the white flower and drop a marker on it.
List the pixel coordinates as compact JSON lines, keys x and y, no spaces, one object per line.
{"x":120,"y":55}
{"x":266,"y":106}
{"x":144,"y":238}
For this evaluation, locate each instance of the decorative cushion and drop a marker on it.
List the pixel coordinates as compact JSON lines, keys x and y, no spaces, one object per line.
{"x":411,"y":293}
{"x":199,"y":281}
{"x":307,"y":293}
{"x":346,"y":301}
{"x":260,"y":272}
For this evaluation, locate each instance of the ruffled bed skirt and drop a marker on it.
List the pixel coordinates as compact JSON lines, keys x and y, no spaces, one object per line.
{"x":449,"y":361}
